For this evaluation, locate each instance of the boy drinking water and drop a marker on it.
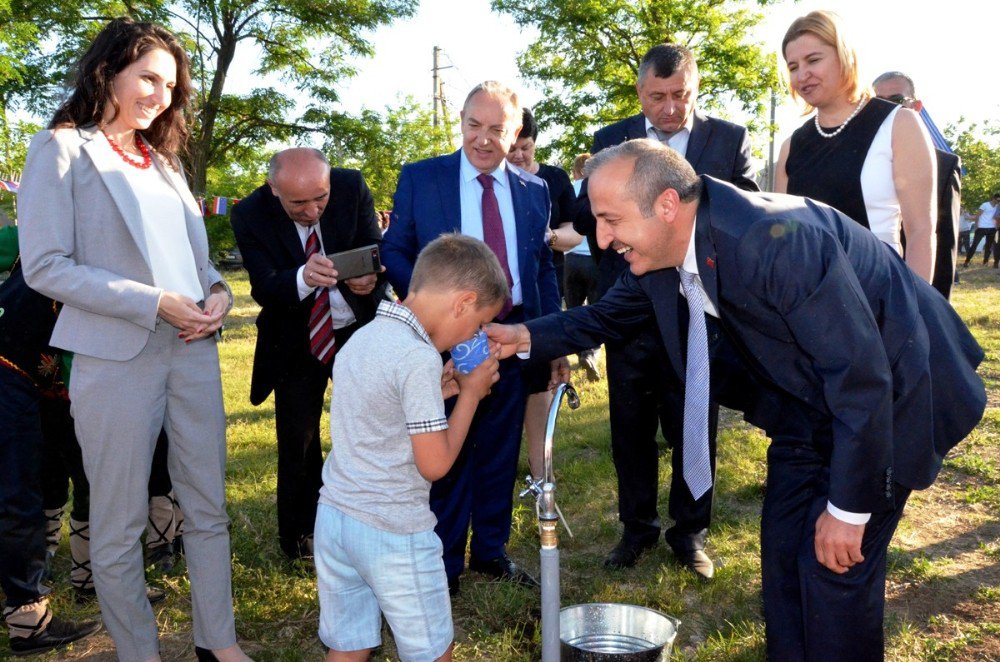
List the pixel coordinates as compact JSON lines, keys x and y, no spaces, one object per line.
{"x":376,"y":550}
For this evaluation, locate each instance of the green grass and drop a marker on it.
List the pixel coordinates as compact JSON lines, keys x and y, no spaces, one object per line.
{"x":277,"y":609}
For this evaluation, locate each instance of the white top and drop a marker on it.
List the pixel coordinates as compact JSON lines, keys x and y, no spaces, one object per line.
{"x":878,"y":188}
{"x":171,"y":258}
{"x":987,"y":219}
{"x":341,"y":314}
{"x":471,"y":195}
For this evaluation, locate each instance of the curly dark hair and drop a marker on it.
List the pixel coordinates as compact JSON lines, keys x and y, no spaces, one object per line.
{"x":118,"y":45}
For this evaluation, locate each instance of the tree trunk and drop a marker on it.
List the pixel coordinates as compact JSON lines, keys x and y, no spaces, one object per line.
{"x":200,"y":151}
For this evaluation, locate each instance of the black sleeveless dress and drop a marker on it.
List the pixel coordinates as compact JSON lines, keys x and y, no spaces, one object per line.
{"x":829,"y":169}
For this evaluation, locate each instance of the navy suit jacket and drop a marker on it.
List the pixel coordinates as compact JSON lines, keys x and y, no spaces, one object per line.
{"x":427,"y":204}
{"x":716,"y":147}
{"x":272,"y":254}
{"x":824,"y":314}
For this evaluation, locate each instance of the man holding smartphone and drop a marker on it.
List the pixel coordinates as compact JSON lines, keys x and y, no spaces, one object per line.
{"x":284,"y":230}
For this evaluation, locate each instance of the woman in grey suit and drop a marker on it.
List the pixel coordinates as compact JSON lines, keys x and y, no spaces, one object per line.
{"x":110,"y":229}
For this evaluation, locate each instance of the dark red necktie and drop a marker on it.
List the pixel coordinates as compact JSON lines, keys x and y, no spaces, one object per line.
{"x":321,"y":338}
{"x":494,"y":236}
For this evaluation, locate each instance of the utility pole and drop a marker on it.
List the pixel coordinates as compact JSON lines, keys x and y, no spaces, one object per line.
{"x":438,"y":86}
{"x":770,"y":147}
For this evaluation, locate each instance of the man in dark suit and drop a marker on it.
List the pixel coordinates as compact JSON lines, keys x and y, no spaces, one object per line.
{"x":475,"y":192}
{"x":860,"y":373}
{"x":897,"y":87}
{"x":639,"y":397}
{"x":305,"y":209}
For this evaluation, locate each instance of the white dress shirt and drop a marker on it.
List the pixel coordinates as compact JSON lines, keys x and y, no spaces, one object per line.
{"x":341,"y":314}
{"x":471,"y":196}
{"x":678,"y":140}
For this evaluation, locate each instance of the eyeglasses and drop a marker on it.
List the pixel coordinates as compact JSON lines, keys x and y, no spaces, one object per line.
{"x":900,"y":99}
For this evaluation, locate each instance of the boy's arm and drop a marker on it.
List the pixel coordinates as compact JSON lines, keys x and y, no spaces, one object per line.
{"x":435,"y":452}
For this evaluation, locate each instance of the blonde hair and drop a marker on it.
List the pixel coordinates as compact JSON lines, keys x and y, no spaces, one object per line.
{"x":458,"y":262}
{"x":826,"y":27}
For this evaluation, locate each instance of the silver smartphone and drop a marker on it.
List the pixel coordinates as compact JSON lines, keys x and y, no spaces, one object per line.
{"x":356,"y":262}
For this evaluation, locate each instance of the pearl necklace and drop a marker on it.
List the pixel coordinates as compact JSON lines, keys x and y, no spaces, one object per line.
{"x":147,"y":160}
{"x":819,"y":129}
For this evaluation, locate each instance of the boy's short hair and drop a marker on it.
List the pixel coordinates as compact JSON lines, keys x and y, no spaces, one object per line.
{"x":457,"y":262}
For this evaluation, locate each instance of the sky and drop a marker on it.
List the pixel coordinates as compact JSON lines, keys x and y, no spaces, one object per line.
{"x":948,"y":56}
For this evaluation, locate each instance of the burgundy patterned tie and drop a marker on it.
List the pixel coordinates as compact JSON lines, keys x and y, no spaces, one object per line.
{"x":321,"y":338}
{"x":494,"y":236}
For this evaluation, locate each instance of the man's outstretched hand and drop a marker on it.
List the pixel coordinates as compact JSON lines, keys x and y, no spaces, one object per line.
{"x":512,"y":338}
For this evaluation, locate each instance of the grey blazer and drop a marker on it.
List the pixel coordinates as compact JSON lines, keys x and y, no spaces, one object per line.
{"x":82,"y":243}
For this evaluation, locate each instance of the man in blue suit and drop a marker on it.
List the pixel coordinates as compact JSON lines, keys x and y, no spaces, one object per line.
{"x":862,"y":375}
{"x":639,"y":396}
{"x":475,"y":192}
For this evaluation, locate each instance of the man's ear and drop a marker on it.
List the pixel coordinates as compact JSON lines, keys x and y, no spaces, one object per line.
{"x":666,"y":205}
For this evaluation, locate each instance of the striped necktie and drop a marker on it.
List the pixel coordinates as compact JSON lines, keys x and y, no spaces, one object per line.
{"x":697,"y":465}
{"x":321,"y":339}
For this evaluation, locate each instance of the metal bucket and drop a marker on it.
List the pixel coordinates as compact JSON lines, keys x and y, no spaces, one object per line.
{"x":605,"y":632}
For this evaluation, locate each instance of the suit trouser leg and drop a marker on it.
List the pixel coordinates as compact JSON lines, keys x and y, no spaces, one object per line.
{"x":22,"y":525}
{"x":60,"y":440}
{"x":479,"y":487}
{"x":691,"y":516}
{"x":580,"y":285}
{"x":298,"y":407}
{"x":633,"y":400}
{"x":119,"y":408}
{"x":810,"y":612}
{"x":195,"y":424}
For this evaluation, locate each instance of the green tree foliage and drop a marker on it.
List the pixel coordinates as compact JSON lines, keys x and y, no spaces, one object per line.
{"x":304,"y":44}
{"x":587,"y":55}
{"x":379,"y":144}
{"x":978,"y":145}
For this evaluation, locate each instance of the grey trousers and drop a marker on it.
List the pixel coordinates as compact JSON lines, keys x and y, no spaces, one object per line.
{"x":119,"y":408}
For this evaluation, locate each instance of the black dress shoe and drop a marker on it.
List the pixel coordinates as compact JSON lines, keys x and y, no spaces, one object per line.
{"x":504,"y":568}
{"x":58,"y":633}
{"x":627,"y":552}
{"x":698,"y":562}
{"x":454,"y":586}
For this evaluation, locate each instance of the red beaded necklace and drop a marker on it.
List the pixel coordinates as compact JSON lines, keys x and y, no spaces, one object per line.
{"x":147,"y":160}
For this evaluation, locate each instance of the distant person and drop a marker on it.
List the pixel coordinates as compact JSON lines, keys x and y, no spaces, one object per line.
{"x":475,"y":191}
{"x":580,"y":276}
{"x":897,"y":87}
{"x":967,"y":221}
{"x":986,"y":228}
{"x":867,"y":157}
{"x":639,"y":398}
{"x":376,"y":550}
{"x":285,"y":229}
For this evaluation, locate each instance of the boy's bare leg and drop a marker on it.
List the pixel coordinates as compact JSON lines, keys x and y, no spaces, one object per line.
{"x":355,"y":656}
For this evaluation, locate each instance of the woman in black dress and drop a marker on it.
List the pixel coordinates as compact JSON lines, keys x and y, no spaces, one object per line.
{"x":868,"y":158}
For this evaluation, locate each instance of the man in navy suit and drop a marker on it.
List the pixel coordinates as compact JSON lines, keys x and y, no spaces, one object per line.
{"x":474,"y":191}
{"x":639,"y":396}
{"x":861,"y":374}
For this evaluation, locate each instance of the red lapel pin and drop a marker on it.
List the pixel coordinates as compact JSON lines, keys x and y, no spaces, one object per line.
{"x":710,"y":262}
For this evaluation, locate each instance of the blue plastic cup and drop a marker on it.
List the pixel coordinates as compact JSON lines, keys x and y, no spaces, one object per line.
{"x":470,"y":353}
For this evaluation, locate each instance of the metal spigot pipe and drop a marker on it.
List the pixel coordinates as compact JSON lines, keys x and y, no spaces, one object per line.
{"x":548,"y":518}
